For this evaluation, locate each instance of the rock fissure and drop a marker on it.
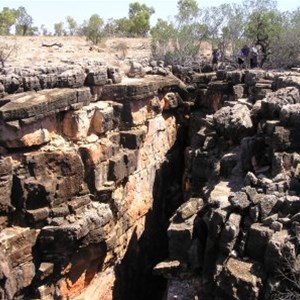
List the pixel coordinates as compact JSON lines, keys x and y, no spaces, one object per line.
{"x":149,"y":188}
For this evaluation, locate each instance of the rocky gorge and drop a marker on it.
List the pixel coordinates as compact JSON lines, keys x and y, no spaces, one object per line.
{"x":163,"y":185}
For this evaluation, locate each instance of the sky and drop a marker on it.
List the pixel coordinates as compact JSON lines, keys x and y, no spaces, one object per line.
{"x":49,"y":12}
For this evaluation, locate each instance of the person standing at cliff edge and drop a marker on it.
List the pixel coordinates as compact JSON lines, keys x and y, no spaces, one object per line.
{"x":215,"y":59}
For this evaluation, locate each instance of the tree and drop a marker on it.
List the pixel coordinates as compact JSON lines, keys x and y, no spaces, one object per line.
{"x":162,"y":35}
{"x":59,"y":29}
{"x":123,"y":27}
{"x":139,"y":15}
{"x":284,"y":50}
{"x":23,"y":21}
{"x":179,"y":42}
{"x":72,"y":25}
{"x":235,"y":28}
{"x":44,"y":30}
{"x":187,"y":11}
{"x":263,"y":28}
{"x":94,"y":30}
{"x":110,"y":27}
{"x":7,"y":20}
{"x":251,"y":6}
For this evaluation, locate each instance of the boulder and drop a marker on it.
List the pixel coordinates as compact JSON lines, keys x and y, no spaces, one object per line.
{"x":274,"y":102}
{"x":96,"y":77}
{"x":290,"y":115}
{"x":229,"y":234}
{"x":233,"y":122}
{"x":6,"y":183}
{"x":241,"y":280}
{"x":258,"y":238}
{"x":279,"y":251}
{"x":136,"y":70}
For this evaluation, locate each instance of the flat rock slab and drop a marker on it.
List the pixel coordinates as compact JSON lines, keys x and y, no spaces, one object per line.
{"x":137,"y":88}
{"x":37,"y":105}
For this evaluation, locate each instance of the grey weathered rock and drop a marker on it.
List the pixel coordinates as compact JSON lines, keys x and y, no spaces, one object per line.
{"x":229,"y":233}
{"x":71,"y":79}
{"x":122,"y":165}
{"x":258,"y":239}
{"x":278,"y":250}
{"x":136,"y":70}
{"x":233,"y":122}
{"x":98,"y":76}
{"x":187,"y":210}
{"x":274,"y":102}
{"x":114,"y":75}
{"x":136,"y":89}
{"x":239,"y":201}
{"x":289,"y":115}
{"x":241,"y":279}
{"x":268,"y":204}
{"x":6,"y":182}
{"x":38,"y":105}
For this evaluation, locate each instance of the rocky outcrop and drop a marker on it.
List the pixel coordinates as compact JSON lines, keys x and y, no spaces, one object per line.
{"x":241,"y":165}
{"x":77,"y":179}
{"x":97,"y":173}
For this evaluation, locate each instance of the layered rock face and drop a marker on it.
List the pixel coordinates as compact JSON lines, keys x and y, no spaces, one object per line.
{"x":78,"y":171}
{"x":236,"y":236}
{"x":97,"y":173}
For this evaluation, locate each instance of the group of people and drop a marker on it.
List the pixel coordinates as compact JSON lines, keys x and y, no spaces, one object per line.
{"x":247,"y":58}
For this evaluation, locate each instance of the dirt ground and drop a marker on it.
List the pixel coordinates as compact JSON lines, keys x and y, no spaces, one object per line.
{"x":115,"y":52}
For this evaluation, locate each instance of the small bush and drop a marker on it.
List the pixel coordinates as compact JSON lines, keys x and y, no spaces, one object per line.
{"x":6,"y":51}
{"x":122,"y":48}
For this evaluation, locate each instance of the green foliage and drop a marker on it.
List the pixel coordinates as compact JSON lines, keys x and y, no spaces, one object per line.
{"x":59,"y":29}
{"x":162,"y":35}
{"x":264,"y":27}
{"x":187,"y":10}
{"x":139,"y":17}
{"x":7,"y":20}
{"x":94,"y":30}
{"x":284,"y":49}
{"x":72,"y":25}
{"x":138,"y":23}
{"x":136,"y":8}
{"x":23,"y":22}
{"x":123,"y":26}
{"x":110,"y":27}
{"x":179,"y":42}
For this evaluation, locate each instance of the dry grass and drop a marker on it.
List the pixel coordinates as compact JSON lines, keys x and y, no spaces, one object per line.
{"x":31,"y":53}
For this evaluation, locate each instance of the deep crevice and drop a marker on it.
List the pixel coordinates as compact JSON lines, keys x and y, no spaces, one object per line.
{"x":134,"y":277}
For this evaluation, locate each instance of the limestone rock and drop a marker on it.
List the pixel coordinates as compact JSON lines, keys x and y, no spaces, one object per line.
{"x":114,"y":75}
{"x":229,"y":233}
{"x":136,"y":70}
{"x":137,"y":89}
{"x":50,"y":178}
{"x":274,"y":102}
{"x":278,"y":251}
{"x":241,"y":279}
{"x":6,"y":181}
{"x":239,"y":201}
{"x":258,"y":239}
{"x":71,"y":78}
{"x":97,"y":76}
{"x":233,"y":122}
{"x":289,"y":114}
{"x":35,"y":106}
